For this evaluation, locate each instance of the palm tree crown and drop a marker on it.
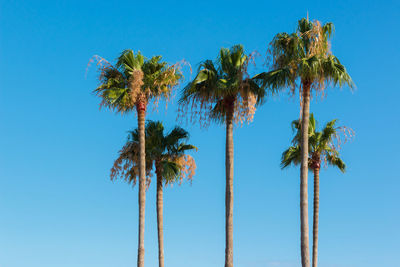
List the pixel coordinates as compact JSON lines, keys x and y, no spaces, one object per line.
{"x":223,"y":85}
{"x":321,"y":146}
{"x":168,"y":152}
{"x":134,"y":80}
{"x":305,"y":55}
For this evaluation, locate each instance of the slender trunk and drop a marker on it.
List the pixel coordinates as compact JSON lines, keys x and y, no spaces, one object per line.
{"x":229,"y":188}
{"x":160,"y":216}
{"x":304,"y":227}
{"x":316,"y":214}
{"x":141,"y":110}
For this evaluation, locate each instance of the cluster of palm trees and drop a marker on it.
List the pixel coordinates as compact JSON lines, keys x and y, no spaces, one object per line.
{"x":224,"y":92}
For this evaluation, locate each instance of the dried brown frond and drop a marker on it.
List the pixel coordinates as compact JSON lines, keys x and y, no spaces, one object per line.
{"x":343,"y":135}
{"x":245,"y":108}
{"x":245,"y":102}
{"x":195,"y":111}
{"x":188,"y":168}
{"x":101,"y":63}
{"x":126,"y":166}
{"x":319,"y":44}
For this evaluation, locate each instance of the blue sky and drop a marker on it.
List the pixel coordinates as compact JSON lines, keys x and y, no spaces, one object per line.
{"x":57,"y":204}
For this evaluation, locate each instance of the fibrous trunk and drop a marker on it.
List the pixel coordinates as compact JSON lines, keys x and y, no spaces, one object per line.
{"x":160,"y":216}
{"x":316,"y":214}
{"x":304,"y":227}
{"x":141,"y":110}
{"x":229,"y":188}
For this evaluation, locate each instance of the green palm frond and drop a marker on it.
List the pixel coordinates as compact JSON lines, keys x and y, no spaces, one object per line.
{"x":335,"y":72}
{"x":334,"y":160}
{"x":170,"y":171}
{"x":304,"y":25}
{"x":176,"y":135}
{"x":328,"y":29}
{"x":128,"y":62}
{"x":328,"y":133}
{"x":184,"y":147}
{"x":276,"y":79}
{"x":291,"y":156}
{"x":312,"y":125}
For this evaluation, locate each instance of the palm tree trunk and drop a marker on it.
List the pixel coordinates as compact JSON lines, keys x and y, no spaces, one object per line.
{"x":229,"y":188}
{"x":304,"y":227}
{"x":316,"y":214}
{"x":160,"y":216}
{"x":141,"y":110}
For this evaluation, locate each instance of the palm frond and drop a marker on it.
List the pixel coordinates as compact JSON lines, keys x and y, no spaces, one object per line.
{"x":291,"y":156}
{"x":335,"y":72}
{"x":334,"y":160}
{"x":328,"y":133}
{"x":276,"y":79}
{"x":170,"y":171}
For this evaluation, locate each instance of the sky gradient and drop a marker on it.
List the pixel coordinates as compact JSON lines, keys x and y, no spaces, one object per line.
{"x":58,"y":207}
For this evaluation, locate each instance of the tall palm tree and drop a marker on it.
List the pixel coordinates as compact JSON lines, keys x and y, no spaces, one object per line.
{"x":222,"y":91}
{"x":127,"y":86}
{"x":166,"y":154}
{"x":321,"y":148}
{"x":303,"y":60}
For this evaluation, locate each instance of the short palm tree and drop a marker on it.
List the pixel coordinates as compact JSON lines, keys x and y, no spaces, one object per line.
{"x":321,"y":148}
{"x":130,"y":85}
{"x":303,"y":60}
{"x":167,"y":154}
{"x":222,"y":91}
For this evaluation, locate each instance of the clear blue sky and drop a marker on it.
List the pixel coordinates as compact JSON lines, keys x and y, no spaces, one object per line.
{"x":58,"y":207}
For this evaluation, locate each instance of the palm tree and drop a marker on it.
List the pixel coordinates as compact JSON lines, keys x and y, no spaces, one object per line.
{"x":223,"y":92}
{"x":321,"y":148}
{"x":165,"y":153}
{"x":303,"y":60}
{"x":130,"y":85}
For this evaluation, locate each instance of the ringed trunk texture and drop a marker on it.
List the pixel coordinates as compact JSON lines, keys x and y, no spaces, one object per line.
{"x":160,"y":217}
{"x":141,"y":110}
{"x":229,"y":189}
{"x":304,"y":227}
{"x":316,"y":215}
